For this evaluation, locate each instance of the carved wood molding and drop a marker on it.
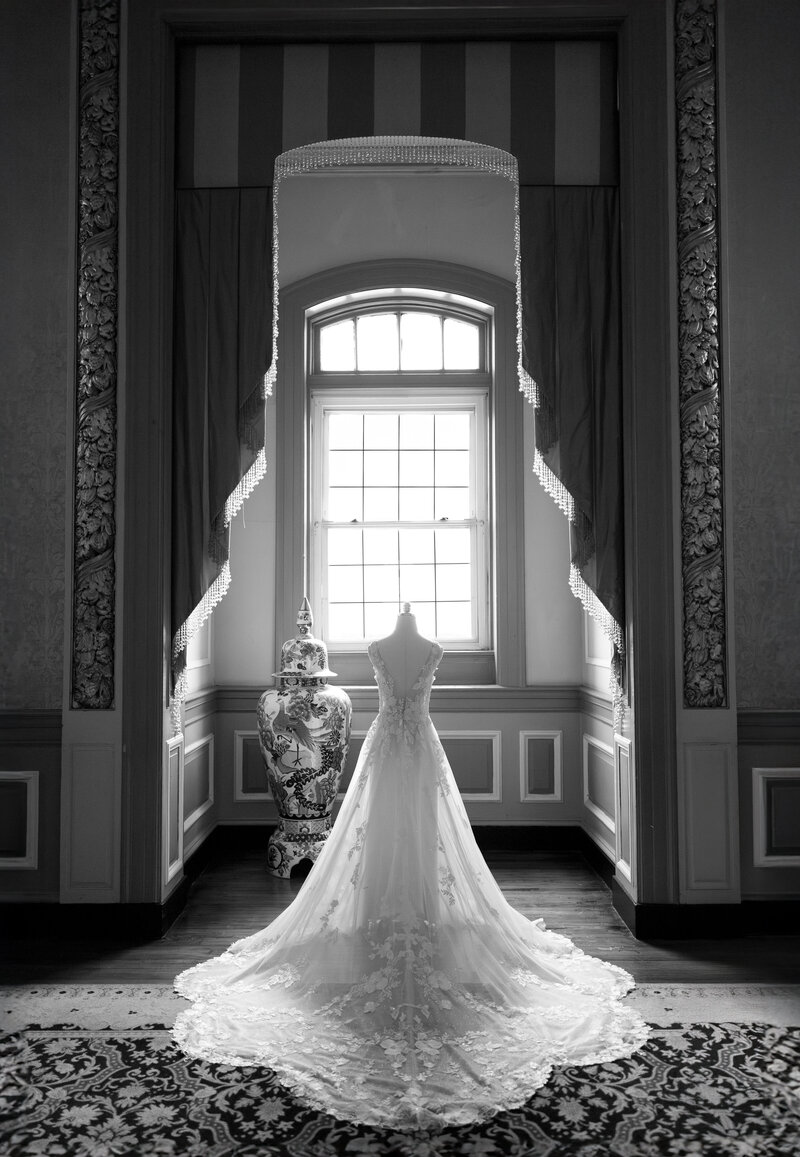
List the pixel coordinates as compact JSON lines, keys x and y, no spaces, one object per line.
{"x":96,"y":352}
{"x":705,"y":674}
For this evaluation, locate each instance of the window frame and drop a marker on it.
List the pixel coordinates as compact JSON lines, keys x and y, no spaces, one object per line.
{"x":505,"y":663}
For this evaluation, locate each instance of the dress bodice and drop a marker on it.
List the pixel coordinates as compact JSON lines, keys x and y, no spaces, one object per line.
{"x":401,"y":711}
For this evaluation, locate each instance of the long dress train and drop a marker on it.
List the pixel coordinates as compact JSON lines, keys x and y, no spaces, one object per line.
{"x":400,"y":989}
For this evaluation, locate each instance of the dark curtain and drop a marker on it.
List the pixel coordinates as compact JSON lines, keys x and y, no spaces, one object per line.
{"x":222,"y":350}
{"x":569,"y":239}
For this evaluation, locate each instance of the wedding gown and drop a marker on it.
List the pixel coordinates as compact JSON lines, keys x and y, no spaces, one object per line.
{"x":400,"y":989}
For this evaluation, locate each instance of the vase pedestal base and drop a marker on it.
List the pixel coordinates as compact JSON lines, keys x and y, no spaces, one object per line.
{"x":295,"y":840}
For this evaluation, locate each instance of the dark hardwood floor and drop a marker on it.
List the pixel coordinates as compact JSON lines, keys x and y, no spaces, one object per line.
{"x":235,"y":896}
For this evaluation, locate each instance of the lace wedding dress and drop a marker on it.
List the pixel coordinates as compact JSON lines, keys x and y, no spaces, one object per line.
{"x":400,"y":988}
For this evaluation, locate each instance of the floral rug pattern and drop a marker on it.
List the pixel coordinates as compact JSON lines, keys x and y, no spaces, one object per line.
{"x":700,"y":1090}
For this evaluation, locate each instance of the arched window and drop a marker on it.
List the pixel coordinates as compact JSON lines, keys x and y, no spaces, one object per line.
{"x":399,"y":467}
{"x":400,"y":459}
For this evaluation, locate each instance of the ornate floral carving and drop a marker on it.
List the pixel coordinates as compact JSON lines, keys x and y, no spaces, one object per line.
{"x":702,"y":541}
{"x":96,"y":402}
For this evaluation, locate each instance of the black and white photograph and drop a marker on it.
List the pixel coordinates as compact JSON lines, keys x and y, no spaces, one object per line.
{"x":400,"y":680}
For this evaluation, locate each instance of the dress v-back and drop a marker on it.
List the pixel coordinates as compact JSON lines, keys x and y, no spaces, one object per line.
{"x":400,"y":989}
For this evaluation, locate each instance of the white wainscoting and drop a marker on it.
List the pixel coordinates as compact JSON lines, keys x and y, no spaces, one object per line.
{"x":766,"y":850}
{"x":239,"y":793}
{"x":172,"y":810}
{"x":192,"y":753}
{"x":495,"y":794}
{"x":625,"y":796}
{"x":606,"y":836}
{"x":30,"y":856}
{"x":525,"y":794}
{"x":709,"y":810}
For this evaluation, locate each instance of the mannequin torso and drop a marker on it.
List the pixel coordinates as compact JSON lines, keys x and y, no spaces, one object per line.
{"x":405,"y":651}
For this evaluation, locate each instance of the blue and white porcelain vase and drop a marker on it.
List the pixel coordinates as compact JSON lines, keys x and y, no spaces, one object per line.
{"x":304,"y":732}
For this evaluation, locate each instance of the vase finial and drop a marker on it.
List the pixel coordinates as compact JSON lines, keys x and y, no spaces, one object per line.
{"x":305,"y":617}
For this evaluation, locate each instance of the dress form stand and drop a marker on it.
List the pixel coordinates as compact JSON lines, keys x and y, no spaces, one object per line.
{"x":405,"y":651}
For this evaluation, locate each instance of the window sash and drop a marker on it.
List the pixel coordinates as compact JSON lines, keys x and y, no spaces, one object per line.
{"x":468,"y":397}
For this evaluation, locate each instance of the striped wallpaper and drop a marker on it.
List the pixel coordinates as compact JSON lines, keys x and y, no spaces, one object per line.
{"x":551,"y":103}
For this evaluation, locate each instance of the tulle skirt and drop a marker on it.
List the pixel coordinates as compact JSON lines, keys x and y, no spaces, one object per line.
{"x":400,"y":989}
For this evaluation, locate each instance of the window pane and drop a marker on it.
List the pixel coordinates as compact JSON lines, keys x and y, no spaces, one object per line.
{"x":344,"y":584}
{"x":380,"y":584}
{"x":344,"y":546}
{"x":454,"y":582}
{"x":416,"y":467}
{"x":417,"y":583}
{"x":345,"y":431}
{"x":344,"y":467}
{"x":380,"y":504}
{"x":345,"y":504}
{"x":426,"y":618}
{"x":453,"y":545}
{"x":416,"y":546}
{"x":376,"y":338}
{"x":416,"y":505}
{"x":379,"y":619}
{"x":380,"y":545}
{"x":462,"y":345}
{"x":380,"y":431}
{"x":337,"y":347}
{"x":380,"y":467}
{"x":416,"y":431}
{"x":452,"y":502}
{"x":420,"y":341}
{"x":345,"y":621}
{"x":452,"y":431}
{"x":454,"y":620}
{"x":452,"y":467}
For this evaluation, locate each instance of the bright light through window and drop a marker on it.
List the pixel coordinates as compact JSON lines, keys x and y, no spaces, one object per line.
{"x":414,"y":341}
{"x":410,"y":468}
{"x":399,"y":497}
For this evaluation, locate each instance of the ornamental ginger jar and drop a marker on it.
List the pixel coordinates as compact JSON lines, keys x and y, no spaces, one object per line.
{"x":303,"y":731}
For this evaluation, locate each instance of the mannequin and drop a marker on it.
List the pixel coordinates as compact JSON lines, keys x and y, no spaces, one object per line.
{"x":404,"y":651}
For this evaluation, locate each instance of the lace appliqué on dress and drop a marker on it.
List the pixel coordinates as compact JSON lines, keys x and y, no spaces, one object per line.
{"x":400,"y":988}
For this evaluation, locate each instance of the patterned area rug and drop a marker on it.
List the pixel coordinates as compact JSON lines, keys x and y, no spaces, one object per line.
{"x":79,"y":1089}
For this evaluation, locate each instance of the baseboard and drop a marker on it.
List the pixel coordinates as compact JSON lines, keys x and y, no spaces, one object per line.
{"x":131,"y":923}
{"x":706,"y":921}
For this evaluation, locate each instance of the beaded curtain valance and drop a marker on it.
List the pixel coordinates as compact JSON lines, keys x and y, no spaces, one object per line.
{"x":568,"y":345}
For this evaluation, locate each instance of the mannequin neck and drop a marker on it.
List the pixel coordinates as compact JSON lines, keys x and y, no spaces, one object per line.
{"x":406,"y":624}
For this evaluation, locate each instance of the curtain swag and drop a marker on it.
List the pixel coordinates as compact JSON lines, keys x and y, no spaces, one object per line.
{"x":226,"y":327}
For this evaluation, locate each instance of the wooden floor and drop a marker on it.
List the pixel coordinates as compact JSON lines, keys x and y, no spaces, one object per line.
{"x":235,"y":896}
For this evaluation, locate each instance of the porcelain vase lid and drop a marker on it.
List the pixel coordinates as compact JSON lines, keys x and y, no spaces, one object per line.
{"x":304,"y":657}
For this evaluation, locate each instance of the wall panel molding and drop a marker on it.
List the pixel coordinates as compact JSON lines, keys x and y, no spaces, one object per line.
{"x":192,"y":753}
{"x":94,"y":515}
{"x":770,"y":850}
{"x":240,"y":795}
{"x":709,"y":803}
{"x":625,"y":797}
{"x":172,"y":849}
{"x":29,"y":857}
{"x":90,"y":824}
{"x":492,"y":740}
{"x":605,"y":753}
{"x":525,"y":794}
